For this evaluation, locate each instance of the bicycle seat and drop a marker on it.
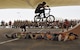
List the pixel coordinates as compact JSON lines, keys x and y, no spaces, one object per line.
{"x":37,"y":13}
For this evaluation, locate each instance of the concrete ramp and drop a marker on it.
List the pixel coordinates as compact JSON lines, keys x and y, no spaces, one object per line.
{"x":75,"y":29}
{"x":8,"y":30}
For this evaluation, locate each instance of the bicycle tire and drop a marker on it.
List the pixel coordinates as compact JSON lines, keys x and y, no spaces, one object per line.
{"x":50,"y":18}
{"x":37,"y":18}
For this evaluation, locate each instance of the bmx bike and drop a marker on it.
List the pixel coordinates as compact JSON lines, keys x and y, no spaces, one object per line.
{"x":48,"y":18}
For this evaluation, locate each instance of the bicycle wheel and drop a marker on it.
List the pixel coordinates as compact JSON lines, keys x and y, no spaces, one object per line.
{"x":50,"y":18}
{"x":37,"y":18}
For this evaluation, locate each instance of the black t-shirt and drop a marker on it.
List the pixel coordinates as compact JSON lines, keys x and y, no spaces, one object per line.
{"x":38,"y":8}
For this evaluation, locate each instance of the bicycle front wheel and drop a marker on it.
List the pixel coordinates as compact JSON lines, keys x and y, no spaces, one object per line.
{"x":50,"y":18}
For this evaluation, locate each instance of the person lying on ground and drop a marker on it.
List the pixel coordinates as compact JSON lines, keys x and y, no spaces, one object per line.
{"x":67,"y":36}
{"x":13,"y":35}
{"x":16,"y":35}
{"x":72,"y":36}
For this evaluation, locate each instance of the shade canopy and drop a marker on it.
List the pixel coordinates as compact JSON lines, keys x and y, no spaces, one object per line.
{"x":34,"y":3}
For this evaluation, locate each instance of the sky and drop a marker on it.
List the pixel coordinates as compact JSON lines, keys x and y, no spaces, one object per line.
{"x":60,"y":12}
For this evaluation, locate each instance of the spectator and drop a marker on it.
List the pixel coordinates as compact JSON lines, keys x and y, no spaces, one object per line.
{"x":66,"y":24}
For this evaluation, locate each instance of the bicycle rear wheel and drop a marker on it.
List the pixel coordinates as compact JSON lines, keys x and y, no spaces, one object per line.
{"x":50,"y":18}
{"x":37,"y":18}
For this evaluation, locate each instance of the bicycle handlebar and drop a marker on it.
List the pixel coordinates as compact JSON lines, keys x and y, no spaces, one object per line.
{"x":47,"y":8}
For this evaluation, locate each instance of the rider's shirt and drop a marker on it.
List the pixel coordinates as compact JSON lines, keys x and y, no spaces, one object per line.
{"x":38,"y":9}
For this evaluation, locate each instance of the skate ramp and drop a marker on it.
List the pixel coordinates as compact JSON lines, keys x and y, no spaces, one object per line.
{"x":8,"y":30}
{"x":75,"y":29}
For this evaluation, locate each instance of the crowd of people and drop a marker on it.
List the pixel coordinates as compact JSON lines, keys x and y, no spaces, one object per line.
{"x":23,"y":25}
{"x":30,"y":24}
{"x":46,"y":36}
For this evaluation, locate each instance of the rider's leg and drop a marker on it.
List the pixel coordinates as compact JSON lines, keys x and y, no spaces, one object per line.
{"x":39,"y":14}
{"x":43,"y":13}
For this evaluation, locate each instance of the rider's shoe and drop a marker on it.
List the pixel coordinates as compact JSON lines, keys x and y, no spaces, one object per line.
{"x":44,"y":16}
{"x":38,"y":17}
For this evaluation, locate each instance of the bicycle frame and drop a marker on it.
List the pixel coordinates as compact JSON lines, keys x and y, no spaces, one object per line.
{"x":49,"y":11}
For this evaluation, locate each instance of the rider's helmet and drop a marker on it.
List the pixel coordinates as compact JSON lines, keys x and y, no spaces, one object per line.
{"x":43,"y":3}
